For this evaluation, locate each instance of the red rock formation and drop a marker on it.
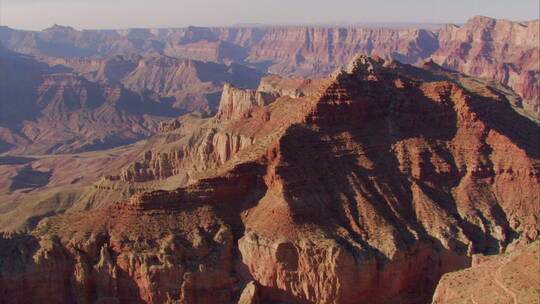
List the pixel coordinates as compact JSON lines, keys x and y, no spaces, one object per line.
{"x":47,"y":112}
{"x":189,"y":145}
{"x":366,"y":191}
{"x":190,"y":84}
{"x":125,"y":252}
{"x":236,"y":102}
{"x":362,"y":168}
{"x":505,"y":278}
{"x":498,"y":49}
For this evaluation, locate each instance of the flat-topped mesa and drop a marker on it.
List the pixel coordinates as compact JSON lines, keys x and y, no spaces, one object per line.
{"x":236,"y":102}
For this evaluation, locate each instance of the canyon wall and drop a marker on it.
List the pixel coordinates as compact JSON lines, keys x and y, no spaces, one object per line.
{"x":367,"y":190}
{"x":498,"y":49}
{"x":80,"y":104}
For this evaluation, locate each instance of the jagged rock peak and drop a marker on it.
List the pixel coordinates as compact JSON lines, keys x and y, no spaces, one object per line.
{"x":60,"y":28}
{"x":364,"y":65}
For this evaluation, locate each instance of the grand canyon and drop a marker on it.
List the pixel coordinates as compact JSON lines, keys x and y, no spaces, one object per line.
{"x":271,"y":164}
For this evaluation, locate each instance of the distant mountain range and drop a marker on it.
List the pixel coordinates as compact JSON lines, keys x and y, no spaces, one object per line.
{"x":500,"y":49}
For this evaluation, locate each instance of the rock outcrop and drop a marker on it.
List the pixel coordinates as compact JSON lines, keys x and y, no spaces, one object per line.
{"x":502,"y":50}
{"x":497,"y":49}
{"x":190,"y":145}
{"x":47,"y":111}
{"x":125,"y":253}
{"x":186,"y":84}
{"x":368,"y":190}
{"x":236,"y":102}
{"x":507,"y":278}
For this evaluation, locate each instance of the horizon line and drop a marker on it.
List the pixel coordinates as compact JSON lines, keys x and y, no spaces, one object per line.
{"x":376,"y":24}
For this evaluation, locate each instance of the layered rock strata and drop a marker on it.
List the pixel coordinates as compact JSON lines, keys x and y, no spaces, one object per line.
{"x":366,"y":191}
{"x":497,"y":49}
{"x":503,"y":50}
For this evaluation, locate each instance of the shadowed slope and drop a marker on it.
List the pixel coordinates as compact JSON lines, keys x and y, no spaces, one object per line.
{"x":366,"y":190}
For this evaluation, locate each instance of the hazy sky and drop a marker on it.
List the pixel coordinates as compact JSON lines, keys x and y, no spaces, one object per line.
{"x":94,"y":14}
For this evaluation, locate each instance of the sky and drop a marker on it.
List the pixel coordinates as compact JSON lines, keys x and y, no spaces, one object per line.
{"x":117,"y":14}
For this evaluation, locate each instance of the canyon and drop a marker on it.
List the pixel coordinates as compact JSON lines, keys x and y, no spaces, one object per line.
{"x":503,"y":50}
{"x":61,"y":105}
{"x":133,"y":79}
{"x":363,"y":187}
{"x":271,"y":164}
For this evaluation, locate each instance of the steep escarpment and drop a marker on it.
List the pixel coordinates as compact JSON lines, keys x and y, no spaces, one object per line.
{"x":71,"y":114}
{"x":368,"y":190}
{"x":502,"y":50}
{"x":184,"y":83}
{"x":190,"y":145}
{"x":507,"y":278}
{"x":315,"y":52}
{"x":498,"y":49}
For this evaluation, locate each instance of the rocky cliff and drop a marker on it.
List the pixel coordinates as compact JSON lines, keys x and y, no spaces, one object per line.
{"x":235,"y":102}
{"x":51,"y":112}
{"x":186,"y":84}
{"x":190,"y":145}
{"x":367,"y":190}
{"x":497,"y":49}
{"x":308,"y":51}
{"x":80,"y":104}
{"x":507,"y":278}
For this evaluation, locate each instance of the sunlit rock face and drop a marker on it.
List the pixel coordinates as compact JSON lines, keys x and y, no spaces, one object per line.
{"x":365,"y":190}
